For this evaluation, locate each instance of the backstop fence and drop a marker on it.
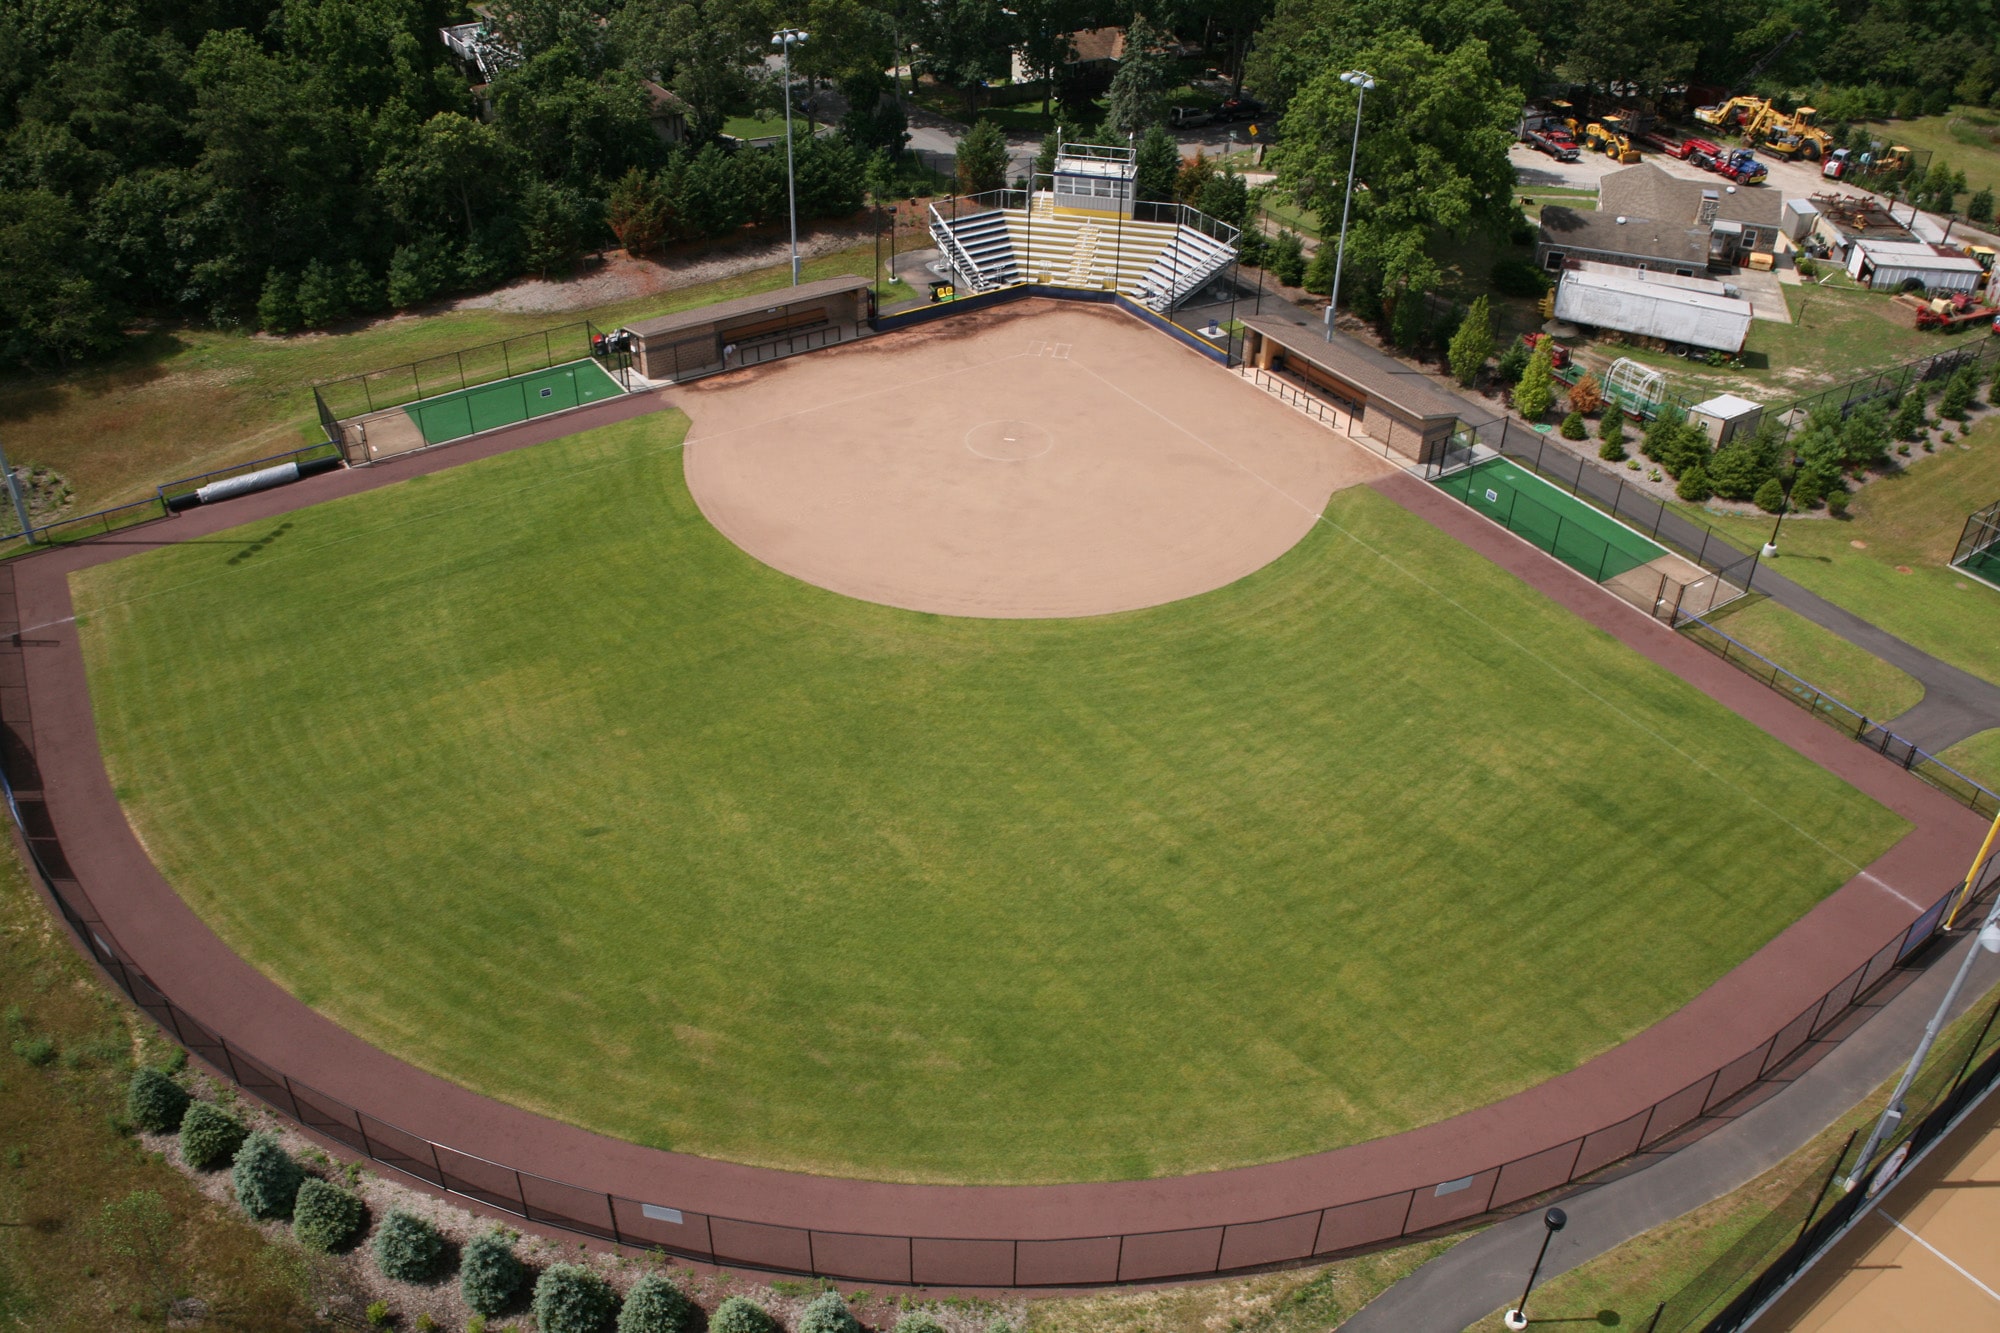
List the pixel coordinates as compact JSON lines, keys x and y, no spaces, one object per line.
{"x":1699,"y":569}
{"x":1835,"y":713}
{"x":1978,"y":549}
{"x":1737,"y":1079}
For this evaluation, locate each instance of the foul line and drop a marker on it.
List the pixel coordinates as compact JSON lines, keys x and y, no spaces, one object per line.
{"x":1953,"y":1263}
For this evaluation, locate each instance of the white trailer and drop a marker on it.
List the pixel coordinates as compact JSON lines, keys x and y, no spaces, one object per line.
{"x":1690,"y":312}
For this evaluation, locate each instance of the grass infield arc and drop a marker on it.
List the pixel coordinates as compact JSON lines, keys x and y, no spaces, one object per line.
{"x":613,"y":823}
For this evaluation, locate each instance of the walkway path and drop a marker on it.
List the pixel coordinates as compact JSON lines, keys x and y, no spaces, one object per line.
{"x":1484,"y":1273}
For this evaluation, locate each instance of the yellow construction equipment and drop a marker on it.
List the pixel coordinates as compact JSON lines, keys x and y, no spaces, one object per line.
{"x":1736,"y":110}
{"x":1609,"y":138}
{"x":1795,"y":135}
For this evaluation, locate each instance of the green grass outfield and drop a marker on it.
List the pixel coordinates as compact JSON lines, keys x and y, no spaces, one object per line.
{"x":1576,"y":532}
{"x":524,"y":772}
{"x":452,"y":416}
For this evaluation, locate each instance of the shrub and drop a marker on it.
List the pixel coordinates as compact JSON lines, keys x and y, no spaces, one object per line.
{"x":155,"y":1102}
{"x":37,"y":1051}
{"x":1536,"y":391}
{"x":740,"y":1314}
{"x":1288,"y":259}
{"x":1613,"y":449}
{"x":1573,"y":427}
{"x":1513,"y":362}
{"x":919,"y":1321}
{"x":1735,"y":472}
{"x":327,"y":1218}
{"x":1472,"y":343}
{"x":426,"y":1324}
{"x":490,"y":1275}
{"x":1958,"y":391}
{"x":1836,"y":504}
{"x":210,"y":1136}
{"x":656,"y":1305}
{"x":1771,"y":495}
{"x":378,"y":1314}
{"x":407,"y":1248}
{"x":571,"y":1299}
{"x":1694,"y":487}
{"x":1807,"y":491}
{"x":1586,"y":395}
{"x":828,"y":1313}
{"x":265,"y":1177}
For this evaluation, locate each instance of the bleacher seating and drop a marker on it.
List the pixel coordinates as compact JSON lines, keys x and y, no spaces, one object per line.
{"x":1160,"y":264}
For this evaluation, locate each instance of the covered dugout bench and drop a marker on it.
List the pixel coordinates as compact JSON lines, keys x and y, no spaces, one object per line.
{"x":751,"y":329}
{"x":1393,"y":404}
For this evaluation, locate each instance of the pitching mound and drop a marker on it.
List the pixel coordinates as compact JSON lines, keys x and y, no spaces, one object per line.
{"x":1040,"y":461}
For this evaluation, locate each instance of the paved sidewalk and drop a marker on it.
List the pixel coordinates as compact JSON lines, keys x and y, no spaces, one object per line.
{"x":1483,"y":1274}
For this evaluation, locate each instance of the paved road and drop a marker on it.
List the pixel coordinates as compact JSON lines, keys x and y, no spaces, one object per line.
{"x":1484,"y":1273}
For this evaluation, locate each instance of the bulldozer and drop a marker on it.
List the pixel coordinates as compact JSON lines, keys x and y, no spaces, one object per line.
{"x":1608,"y":136}
{"x":1796,"y":136}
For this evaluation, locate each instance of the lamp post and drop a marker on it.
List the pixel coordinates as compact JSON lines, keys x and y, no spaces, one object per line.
{"x":1789,"y":480}
{"x":1362,"y":83}
{"x":1555,"y":1219}
{"x":1989,"y":940}
{"x":789,"y":38}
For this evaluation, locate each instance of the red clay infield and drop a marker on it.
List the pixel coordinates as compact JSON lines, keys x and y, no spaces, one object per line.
{"x":983,"y":1235}
{"x":1059,"y":464}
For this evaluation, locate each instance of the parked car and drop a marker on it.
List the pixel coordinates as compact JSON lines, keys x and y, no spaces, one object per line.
{"x":1187,"y":117}
{"x":1242,"y":108}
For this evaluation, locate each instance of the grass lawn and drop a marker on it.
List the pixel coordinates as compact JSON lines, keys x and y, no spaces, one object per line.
{"x":1859,"y":679}
{"x":1968,"y":140}
{"x":759,"y":127}
{"x":526,"y":773}
{"x":1289,"y":215}
{"x":1839,"y":334}
{"x":1978,"y":757}
{"x":1899,"y":576}
{"x":187,"y":400}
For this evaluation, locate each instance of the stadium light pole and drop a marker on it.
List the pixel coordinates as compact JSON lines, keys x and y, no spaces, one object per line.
{"x":789,"y":38}
{"x":1362,"y":83}
{"x":1987,"y":939}
{"x":1554,"y":1220}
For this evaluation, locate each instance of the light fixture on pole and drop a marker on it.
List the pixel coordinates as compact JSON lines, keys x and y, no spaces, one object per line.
{"x":1554,"y":1220}
{"x":789,"y":38}
{"x":1787,"y":481}
{"x":1989,"y":940}
{"x":1363,"y":84}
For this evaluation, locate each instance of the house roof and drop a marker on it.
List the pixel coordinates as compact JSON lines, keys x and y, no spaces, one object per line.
{"x":702,"y":316}
{"x":1916,"y":254}
{"x":1646,"y":191}
{"x":1097,"y":44}
{"x":1403,"y":388}
{"x":1640,"y":237}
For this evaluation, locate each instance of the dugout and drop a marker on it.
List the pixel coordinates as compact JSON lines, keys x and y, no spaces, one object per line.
{"x":750,"y":329}
{"x":1392,"y":403}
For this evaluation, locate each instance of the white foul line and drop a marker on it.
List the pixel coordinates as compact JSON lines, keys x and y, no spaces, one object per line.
{"x":1942,"y":1255}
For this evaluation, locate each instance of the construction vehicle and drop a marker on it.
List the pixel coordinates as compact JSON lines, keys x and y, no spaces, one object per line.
{"x":1558,"y":354}
{"x":1795,"y":135}
{"x":1609,"y":138}
{"x":1947,"y":314}
{"x":1736,"y":111}
{"x":1837,"y":164}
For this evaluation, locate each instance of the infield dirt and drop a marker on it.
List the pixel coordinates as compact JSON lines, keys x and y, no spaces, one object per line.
{"x":1039,"y":461}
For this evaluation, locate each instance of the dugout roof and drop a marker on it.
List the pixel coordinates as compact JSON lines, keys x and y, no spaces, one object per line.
{"x":704,"y":316}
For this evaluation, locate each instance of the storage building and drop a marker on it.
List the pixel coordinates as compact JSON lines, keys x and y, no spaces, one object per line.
{"x":1725,"y":417}
{"x":1890,"y":265}
{"x":1692,"y":312}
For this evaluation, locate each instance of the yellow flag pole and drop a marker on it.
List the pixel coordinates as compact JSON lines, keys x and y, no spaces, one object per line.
{"x":1972,"y":875}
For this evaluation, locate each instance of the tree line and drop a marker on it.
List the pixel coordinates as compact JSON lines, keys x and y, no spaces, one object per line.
{"x":285,"y":163}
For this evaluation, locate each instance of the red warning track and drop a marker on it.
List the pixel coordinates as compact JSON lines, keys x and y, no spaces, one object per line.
{"x":1732,"y":1045}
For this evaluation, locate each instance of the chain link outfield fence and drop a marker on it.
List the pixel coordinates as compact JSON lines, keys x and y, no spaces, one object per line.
{"x":1736,"y":1079}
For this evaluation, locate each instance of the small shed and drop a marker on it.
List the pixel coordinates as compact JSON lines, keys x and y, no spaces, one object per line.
{"x":1725,"y":416}
{"x":1892,"y":265}
{"x":1800,"y":218}
{"x":1676,"y":310}
{"x":751,"y":329}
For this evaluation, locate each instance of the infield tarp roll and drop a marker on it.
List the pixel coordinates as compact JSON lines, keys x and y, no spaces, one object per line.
{"x":248,"y":482}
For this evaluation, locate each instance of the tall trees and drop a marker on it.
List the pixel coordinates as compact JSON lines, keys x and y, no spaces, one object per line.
{"x":982,"y":159}
{"x":1433,"y":154}
{"x":1139,"y":90}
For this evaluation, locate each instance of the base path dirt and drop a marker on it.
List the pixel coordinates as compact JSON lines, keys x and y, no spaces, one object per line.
{"x":1043,"y":459}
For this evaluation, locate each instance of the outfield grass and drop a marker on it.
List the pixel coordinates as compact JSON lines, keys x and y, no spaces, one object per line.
{"x":524,"y":772}
{"x":1978,"y":757}
{"x":1821,"y":658}
{"x":1899,"y":577}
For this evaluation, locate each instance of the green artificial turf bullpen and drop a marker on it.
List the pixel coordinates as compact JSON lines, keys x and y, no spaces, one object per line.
{"x":524,"y":772}
{"x":1574,"y":531}
{"x":452,"y":416}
